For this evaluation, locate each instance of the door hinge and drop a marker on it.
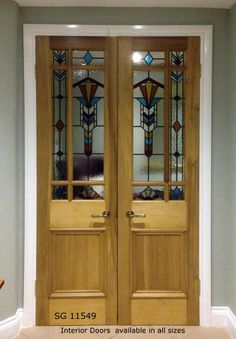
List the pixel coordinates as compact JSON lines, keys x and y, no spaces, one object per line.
{"x":35,"y":71}
{"x":200,"y":71}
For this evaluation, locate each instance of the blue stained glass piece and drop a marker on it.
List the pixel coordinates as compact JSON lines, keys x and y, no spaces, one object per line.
{"x":88,"y":57}
{"x":148,"y":58}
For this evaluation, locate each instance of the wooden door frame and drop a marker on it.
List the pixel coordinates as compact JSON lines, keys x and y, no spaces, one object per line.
{"x":205,"y":34}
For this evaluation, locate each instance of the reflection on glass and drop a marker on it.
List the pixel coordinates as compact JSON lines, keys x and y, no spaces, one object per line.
{"x":88,"y":124}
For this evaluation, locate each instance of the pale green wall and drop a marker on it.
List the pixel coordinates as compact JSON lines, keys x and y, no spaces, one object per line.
{"x":11,"y":161}
{"x":163,"y":16}
{"x":231,"y":243}
{"x":12,"y":131}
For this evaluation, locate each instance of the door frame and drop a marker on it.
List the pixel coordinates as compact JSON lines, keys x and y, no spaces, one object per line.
{"x":205,"y":32}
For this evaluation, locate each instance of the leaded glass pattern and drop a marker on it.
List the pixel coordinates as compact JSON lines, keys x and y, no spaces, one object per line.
{"x":59,"y":192}
{"x":149,"y":58}
{"x":88,"y":124}
{"x":148,"y":128}
{"x":177,"y":127}
{"x":148,"y":193}
{"x":59,"y":57}
{"x":176,"y":193}
{"x":177,"y":58}
{"x":88,"y":192}
{"x":59,"y":101}
{"x":87,"y":57}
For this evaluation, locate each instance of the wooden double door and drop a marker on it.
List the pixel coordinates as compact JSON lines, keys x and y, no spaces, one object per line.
{"x":117,"y":178}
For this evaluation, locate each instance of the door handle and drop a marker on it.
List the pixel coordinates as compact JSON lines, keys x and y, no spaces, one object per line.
{"x":105,"y":214}
{"x":131,"y":214}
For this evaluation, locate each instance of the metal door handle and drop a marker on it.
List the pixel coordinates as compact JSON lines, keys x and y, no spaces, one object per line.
{"x":104,"y":214}
{"x":131,"y":214}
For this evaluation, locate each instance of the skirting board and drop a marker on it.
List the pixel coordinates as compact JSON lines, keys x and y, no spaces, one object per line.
{"x":222,"y":316}
{"x":10,"y":327}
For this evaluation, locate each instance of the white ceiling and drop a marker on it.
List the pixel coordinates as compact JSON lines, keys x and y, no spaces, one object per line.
{"x":129,"y":3}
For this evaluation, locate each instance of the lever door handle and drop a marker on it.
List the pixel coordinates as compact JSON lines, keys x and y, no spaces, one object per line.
{"x":131,"y":214}
{"x":105,"y":214}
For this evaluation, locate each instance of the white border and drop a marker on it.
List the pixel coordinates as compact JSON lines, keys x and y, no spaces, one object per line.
{"x":10,"y":327}
{"x":205,"y":33}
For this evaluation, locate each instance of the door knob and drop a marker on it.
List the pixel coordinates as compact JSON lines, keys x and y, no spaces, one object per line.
{"x":131,"y":214}
{"x":104,"y":214}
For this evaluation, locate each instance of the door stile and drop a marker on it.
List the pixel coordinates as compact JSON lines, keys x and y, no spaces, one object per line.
{"x":192,"y":175}
{"x":125,"y":137}
{"x":111,"y":169}
{"x":44,"y":170}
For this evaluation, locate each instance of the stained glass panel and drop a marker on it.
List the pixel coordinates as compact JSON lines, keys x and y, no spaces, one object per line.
{"x":147,"y":58}
{"x":59,"y":57}
{"x":88,"y":124}
{"x":59,"y":192}
{"x":148,"y":193}
{"x":88,"y":192}
{"x":88,"y":57}
{"x":177,"y":127}
{"x":176,"y":193}
{"x":177,"y":58}
{"x":148,"y":129}
{"x":59,"y":101}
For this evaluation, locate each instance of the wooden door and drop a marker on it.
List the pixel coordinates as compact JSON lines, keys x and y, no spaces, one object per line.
{"x":158,"y":278}
{"x":77,"y":181}
{"x":117,"y":169}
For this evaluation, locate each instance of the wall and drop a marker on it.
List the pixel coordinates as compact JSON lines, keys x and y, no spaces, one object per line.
{"x":231,"y":243}
{"x":11,"y":162}
{"x":161,"y":16}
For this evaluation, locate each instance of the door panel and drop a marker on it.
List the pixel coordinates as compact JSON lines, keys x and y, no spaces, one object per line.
{"x":117,"y":131}
{"x":158,"y":143}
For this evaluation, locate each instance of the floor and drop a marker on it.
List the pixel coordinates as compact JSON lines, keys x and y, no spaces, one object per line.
{"x":106,"y":332}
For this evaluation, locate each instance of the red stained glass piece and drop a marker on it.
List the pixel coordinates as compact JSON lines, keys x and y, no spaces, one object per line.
{"x":177,"y":125}
{"x":60,"y":125}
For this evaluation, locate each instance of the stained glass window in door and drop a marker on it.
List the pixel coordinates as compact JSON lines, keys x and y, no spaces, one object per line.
{"x":87,"y":57}
{"x":148,"y":193}
{"x":88,"y":192}
{"x":59,"y":192}
{"x":176,"y":193}
{"x":88,"y":124}
{"x":177,"y":58}
{"x":59,"y":57}
{"x":59,"y":103}
{"x":148,"y":128}
{"x":177,"y":126}
{"x":152,"y":58}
